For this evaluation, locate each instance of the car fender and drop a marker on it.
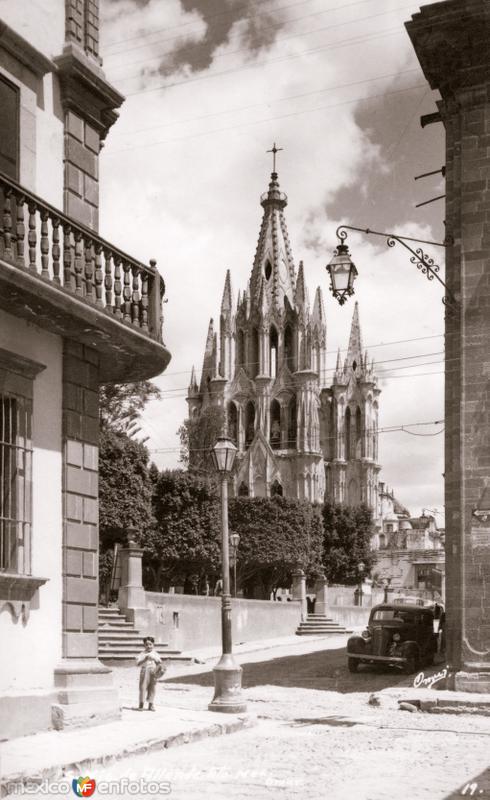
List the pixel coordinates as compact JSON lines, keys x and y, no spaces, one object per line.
{"x":410,"y":648}
{"x":356,"y":644}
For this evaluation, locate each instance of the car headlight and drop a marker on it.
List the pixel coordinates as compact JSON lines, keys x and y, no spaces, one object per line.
{"x":396,"y":637}
{"x":366,"y":635}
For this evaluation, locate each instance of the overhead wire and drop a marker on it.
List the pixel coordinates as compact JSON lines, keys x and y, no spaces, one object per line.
{"x":388,"y":429}
{"x":146,"y":146}
{"x":267,"y":103}
{"x":107,"y":45}
{"x":359,"y":39}
{"x":200,"y":45}
{"x":330,"y":371}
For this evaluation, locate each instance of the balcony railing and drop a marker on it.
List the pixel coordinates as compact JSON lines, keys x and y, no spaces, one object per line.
{"x":39,"y":240}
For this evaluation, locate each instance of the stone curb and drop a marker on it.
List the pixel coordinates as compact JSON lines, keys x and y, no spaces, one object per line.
{"x":17,"y":782}
{"x":300,"y":641}
{"x":445,"y":705}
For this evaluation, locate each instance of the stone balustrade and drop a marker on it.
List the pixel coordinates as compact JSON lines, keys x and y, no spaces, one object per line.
{"x":38,"y":239}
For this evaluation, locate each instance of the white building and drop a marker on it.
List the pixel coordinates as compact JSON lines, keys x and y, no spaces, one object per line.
{"x":74,"y":311}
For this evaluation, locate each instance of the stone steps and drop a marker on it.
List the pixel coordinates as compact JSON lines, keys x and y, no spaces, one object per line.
{"x":120,"y":642}
{"x":319,"y":625}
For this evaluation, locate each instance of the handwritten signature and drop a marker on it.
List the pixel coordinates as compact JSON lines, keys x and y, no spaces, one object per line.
{"x":420,"y":681}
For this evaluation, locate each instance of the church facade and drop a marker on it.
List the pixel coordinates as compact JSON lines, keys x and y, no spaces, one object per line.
{"x":297,"y":433}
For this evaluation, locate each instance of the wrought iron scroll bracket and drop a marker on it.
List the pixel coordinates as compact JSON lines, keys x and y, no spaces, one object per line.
{"x":421,"y":259}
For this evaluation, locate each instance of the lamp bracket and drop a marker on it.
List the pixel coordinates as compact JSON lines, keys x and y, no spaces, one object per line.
{"x":421,"y":259}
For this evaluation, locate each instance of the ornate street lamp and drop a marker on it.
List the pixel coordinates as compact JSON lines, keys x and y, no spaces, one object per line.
{"x":343,"y":271}
{"x":234,"y":541}
{"x":227,"y":673}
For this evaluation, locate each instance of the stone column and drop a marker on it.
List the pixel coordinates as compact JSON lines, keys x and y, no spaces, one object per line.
{"x":85,"y":690}
{"x":452,"y":42}
{"x":298,"y":590}
{"x":131,"y":597}
{"x":321,"y":592}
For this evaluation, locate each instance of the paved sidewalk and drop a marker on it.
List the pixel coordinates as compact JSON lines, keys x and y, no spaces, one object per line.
{"x":181,"y":717}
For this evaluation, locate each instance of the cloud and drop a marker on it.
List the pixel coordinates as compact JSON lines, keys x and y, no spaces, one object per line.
{"x":183,"y":169}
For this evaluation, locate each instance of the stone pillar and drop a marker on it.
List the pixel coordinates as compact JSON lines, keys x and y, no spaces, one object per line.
{"x":85,"y":691}
{"x":452,"y":42}
{"x":131,"y":597}
{"x":298,"y":590}
{"x":321,"y":593}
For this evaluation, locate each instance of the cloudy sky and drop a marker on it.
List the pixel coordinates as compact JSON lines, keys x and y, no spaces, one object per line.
{"x":210,"y":85}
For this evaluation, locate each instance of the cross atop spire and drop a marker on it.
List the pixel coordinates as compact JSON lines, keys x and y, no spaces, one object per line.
{"x":274,"y":150}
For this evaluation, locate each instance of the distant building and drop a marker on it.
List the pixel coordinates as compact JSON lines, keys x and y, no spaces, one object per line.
{"x":409,"y":550}
{"x":74,"y":311}
{"x":298,"y":433}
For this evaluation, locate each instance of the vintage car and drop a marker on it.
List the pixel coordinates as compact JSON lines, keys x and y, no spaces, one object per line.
{"x":398,"y":634}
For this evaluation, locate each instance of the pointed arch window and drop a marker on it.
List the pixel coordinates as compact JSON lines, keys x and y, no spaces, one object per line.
{"x":254,"y":353}
{"x":274,"y":350}
{"x":292,"y":423}
{"x":358,"y":448}
{"x":289,"y":348}
{"x":275,"y":431}
{"x":240,"y":355}
{"x":276,"y":489}
{"x":267,"y":269}
{"x":249,"y":423}
{"x":232,"y":420}
{"x":347,"y":434}
{"x":243,"y":490}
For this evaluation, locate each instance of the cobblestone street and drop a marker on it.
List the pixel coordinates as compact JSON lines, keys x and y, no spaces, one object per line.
{"x":318,"y":732}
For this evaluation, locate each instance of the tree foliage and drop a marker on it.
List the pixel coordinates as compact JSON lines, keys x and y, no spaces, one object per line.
{"x":121,"y":404}
{"x":277,"y":535}
{"x":125,"y":488}
{"x":346,"y":542}
{"x":184,"y":544}
{"x":197,"y":437}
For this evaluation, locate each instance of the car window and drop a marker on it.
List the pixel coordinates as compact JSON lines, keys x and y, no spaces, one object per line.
{"x":394,"y":614}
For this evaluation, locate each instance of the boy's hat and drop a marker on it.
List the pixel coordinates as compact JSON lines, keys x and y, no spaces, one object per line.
{"x":149,"y":639}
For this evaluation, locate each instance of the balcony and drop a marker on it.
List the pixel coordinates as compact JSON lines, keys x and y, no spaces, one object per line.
{"x":66,"y":279}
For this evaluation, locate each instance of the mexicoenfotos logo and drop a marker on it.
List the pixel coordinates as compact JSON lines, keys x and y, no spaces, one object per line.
{"x":83,"y":787}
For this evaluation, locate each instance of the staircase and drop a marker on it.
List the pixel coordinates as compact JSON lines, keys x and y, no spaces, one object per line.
{"x":319,"y":625}
{"x":120,"y":642}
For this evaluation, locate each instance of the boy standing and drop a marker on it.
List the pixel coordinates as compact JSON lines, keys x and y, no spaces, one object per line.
{"x":150,"y":671}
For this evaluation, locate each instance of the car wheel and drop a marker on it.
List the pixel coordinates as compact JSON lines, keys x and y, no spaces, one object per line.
{"x":352,"y":664}
{"x":410,"y":665}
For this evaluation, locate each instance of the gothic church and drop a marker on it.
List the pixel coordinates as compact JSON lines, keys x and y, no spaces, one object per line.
{"x":296,"y":435}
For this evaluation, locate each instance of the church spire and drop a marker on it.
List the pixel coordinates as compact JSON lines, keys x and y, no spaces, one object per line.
{"x":318,"y":313}
{"x":208,"y":360}
{"x":193,"y":388}
{"x":273,"y":258}
{"x":227,"y":300}
{"x":354,"y":352}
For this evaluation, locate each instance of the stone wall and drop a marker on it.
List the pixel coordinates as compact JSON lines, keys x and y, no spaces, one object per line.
{"x":82,"y":144}
{"x":189,"y":622}
{"x":80,"y":503}
{"x":452,"y":42}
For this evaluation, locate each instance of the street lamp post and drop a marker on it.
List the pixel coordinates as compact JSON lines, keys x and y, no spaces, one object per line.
{"x":227,"y":673}
{"x":234,"y":541}
{"x":343,"y":272}
{"x":360,"y":568}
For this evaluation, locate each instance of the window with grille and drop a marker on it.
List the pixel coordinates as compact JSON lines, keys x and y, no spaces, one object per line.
{"x":15,"y":483}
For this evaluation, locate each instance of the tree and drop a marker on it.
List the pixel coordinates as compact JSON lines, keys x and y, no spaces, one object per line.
{"x":121,"y":404}
{"x":197,"y":437}
{"x":277,"y":535}
{"x":184,"y":544}
{"x":346,"y":542}
{"x":125,"y":487}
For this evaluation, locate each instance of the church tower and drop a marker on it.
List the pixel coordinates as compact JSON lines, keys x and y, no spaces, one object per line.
{"x":267,"y":369}
{"x":350,"y":408}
